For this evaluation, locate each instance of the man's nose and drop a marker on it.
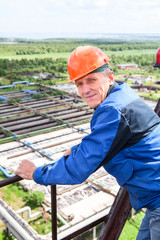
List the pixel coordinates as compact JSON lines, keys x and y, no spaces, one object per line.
{"x":86,"y":88}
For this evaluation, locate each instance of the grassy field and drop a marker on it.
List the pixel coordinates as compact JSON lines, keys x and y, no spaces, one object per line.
{"x":131,"y":227}
{"x":66,"y":54}
{"x":33,"y":56}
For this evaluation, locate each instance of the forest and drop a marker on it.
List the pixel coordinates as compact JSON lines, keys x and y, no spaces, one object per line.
{"x":68,"y":45}
{"x":51,"y":55}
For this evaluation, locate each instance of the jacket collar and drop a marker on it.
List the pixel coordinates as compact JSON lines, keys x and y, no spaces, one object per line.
{"x":112,"y":87}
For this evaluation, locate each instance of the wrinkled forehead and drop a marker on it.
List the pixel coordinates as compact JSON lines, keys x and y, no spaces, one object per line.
{"x":90,"y":76}
{"x":98,"y":76}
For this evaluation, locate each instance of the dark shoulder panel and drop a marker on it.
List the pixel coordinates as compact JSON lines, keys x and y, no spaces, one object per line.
{"x":137,"y":121}
{"x":141,"y":119}
{"x":122,"y":136}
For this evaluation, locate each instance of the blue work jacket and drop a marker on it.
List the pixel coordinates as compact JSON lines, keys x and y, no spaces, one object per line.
{"x":125,"y":140}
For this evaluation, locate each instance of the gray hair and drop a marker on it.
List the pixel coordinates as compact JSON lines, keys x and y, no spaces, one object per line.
{"x":107,"y":71}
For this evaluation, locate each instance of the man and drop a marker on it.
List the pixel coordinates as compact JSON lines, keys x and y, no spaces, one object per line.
{"x":124,"y":139}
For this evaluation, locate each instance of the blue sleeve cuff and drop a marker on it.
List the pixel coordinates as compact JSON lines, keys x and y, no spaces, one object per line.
{"x":37,"y":175}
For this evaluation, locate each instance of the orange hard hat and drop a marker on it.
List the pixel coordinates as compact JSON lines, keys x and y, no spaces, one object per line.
{"x":84,"y":60}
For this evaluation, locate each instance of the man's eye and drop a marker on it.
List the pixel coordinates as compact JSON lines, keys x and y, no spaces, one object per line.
{"x":92,"y":80}
{"x":79,"y":84}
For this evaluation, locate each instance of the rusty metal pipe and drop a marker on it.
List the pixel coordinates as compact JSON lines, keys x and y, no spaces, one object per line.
{"x":54,"y":212}
{"x":10,"y":180}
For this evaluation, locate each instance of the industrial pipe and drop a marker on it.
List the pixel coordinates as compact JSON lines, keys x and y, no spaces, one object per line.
{"x":18,"y":230}
{"x":28,"y":209}
{"x":4,"y":171}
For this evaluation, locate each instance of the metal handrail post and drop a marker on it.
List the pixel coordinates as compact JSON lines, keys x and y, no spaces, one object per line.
{"x":54,"y":212}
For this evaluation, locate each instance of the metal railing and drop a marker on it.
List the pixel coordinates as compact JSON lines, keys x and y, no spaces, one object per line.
{"x":113,"y":222}
{"x":76,"y":233}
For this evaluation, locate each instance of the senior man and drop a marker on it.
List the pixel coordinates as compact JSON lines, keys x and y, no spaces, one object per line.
{"x":124,"y":139}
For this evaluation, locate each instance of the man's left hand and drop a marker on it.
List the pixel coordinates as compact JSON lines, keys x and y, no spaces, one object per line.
{"x":25,"y":170}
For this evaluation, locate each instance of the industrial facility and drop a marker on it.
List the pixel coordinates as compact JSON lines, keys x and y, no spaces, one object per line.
{"x":41,"y":130}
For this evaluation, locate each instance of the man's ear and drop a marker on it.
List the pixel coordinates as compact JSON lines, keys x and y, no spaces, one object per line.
{"x":111,"y":78}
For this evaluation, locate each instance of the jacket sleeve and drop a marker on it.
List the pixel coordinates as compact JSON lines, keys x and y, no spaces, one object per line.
{"x":88,"y":156}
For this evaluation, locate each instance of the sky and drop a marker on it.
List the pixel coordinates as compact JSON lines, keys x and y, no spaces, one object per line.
{"x":50,"y":18}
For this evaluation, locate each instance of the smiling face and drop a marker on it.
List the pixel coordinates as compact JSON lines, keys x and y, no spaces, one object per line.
{"x":93,"y":87}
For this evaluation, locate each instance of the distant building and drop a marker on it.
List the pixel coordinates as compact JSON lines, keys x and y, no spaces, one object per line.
{"x":42,"y":75}
{"x":45,"y":76}
{"x":127,"y":66}
{"x":137,"y":79}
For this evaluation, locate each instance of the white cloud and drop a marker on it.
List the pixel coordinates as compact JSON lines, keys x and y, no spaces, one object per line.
{"x":80,"y":16}
{"x":101,"y":3}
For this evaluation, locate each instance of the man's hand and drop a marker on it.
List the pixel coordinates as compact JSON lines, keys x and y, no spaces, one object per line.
{"x":68,"y":152}
{"x":25,"y":170}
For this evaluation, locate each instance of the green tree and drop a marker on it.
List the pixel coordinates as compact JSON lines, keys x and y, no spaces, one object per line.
{"x":34,"y":199}
{"x":5,"y":236}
